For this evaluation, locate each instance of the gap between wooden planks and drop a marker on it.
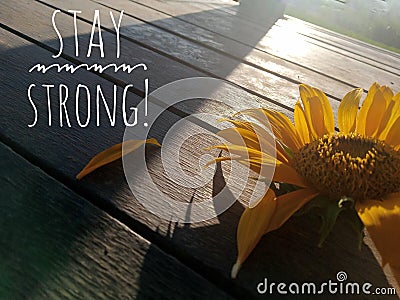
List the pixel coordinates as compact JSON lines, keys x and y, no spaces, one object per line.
{"x":157,"y":64}
{"x":55,"y":244}
{"x":323,"y":60}
{"x":351,"y":47}
{"x":274,"y":87}
{"x":293,"y":72}
{"x":62,"y":152}
{"x":194,"y":241}
{"x":355,"y":48}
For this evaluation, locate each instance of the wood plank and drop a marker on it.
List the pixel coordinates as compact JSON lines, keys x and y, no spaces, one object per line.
{"x":373,"y":57}
{"x":62,"y":152}
{"x":207,"y":247}
{"x":175,"y":68}
{"x":56,"y":245}
{"x":323,"y":35}
{"x":361,"y":48}
{"x":294,"y":72}
{"x":264,"y":85}
{"x":328,"y":62}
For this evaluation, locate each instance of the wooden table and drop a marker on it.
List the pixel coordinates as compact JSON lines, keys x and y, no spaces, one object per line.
{"x":66,"y":239}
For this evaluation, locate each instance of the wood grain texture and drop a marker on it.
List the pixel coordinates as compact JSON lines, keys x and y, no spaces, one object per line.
{"x":130,"y":53}
{"x":262,"y":60}
{"x":369,"y":52}
{"x":262,"y":84}
{"x":207,"y":247}
{"x":289,"y":254}
{"x":62,"y":152}
{"x":357,"y":49}
{"x":286,"y":46}
{"x":56,"y":245}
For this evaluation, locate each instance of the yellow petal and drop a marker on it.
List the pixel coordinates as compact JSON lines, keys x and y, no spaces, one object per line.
{"x":318,"y":111}
{"x":386,"y":118}
{"x":262,"y":164}
{"x":281,"y":126}
{"x":329,"y":119}
{"x":239,"y":123}
{"x":252,"y":226}
{"x":301,"y":124}
{"x":243,"y":152}
{"x":256,"y":138}
{"x":362,"y":115}
{"x":288,"y":204}
{"x":317,"y":116}
{"x":285,"y":173}
{"x":393,"y":135}
{"x":113,"y":153}
{"x":241,"y":137}
{"x":375,"y":114}
{"x":387,"y":92}
{"x":382,"y":220}
{"x":348,"y":108}
{"x":371,"y":111}
{"x":391,"y":115}
{"x":269,"y":214}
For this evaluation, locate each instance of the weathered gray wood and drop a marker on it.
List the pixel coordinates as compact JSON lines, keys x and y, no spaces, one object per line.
{"x":253,"y":56}
{"x":132,"y":53}
{"x":323,"y":35}
{"x":207,"y":247}
{"x":62,"y":152}
{"x":263,"y":84}
{"x":358,"y":47}
{"x":328,"y":62}
{"x":380,"y":61}
{"x":56,"y":245}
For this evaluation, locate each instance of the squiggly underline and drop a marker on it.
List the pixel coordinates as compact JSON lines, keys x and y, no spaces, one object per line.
{"x":96,"y":67}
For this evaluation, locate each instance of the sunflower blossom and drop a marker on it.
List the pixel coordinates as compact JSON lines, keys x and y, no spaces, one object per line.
{"x":360,"y":162}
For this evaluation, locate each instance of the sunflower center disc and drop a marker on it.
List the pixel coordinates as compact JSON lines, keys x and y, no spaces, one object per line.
{"x":350,"y":165}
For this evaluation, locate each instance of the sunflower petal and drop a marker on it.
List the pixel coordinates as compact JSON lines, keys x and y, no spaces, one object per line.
{"x":382,"y":220}
{"x":280,"y":124}
{"x":282,"y":172}
{"x":393,"y":135}
{"x":329,"y":120}
{"x":257,"y":138}
{"x":270,"y":214}
{"x":243,"y":152}
{"x":242,"y":137}
{"x":252,"y":226}
{"x":288,"y":204}
{"x":375,"y":114}
{"x":362,"y":114}
{"x":387,"y":92}
{"x":391,"y":115}
{"x":318,"y":111}
{"x":317,"y":116}
{"x":366,"y":121}
{"x":301,"y":124}
{"x":113,"y":153}
{"x":348,"y":108}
